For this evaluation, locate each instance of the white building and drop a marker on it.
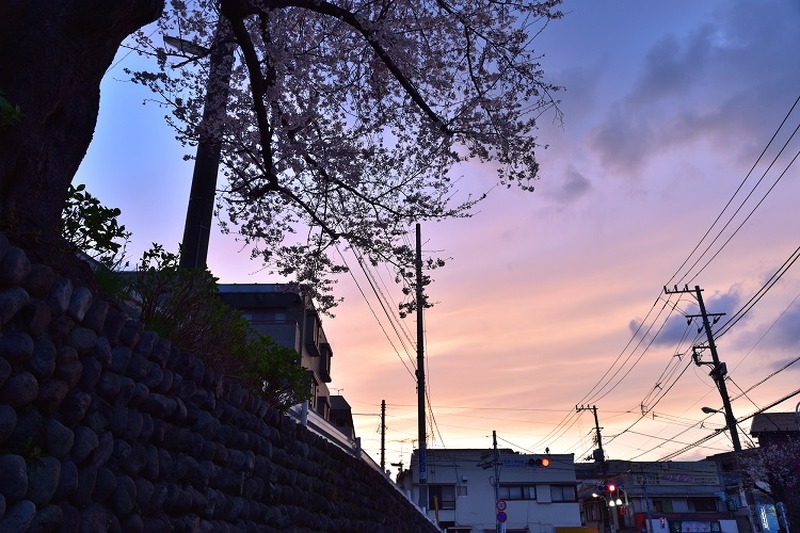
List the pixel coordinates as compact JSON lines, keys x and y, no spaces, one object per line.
{"x":480,"y":491}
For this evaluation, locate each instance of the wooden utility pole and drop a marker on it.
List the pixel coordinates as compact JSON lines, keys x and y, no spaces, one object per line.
{"x":383,"y":435}
{"x":423,"y":466}
{"x":598,"y":455}
{"x":718,"y":369}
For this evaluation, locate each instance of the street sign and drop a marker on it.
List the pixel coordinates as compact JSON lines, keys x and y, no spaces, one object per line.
{"x":502,"y":517}
{"x":501,"y":505}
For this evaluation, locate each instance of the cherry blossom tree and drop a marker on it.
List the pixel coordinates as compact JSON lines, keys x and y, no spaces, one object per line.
{"x":348,"y":121}
{"x":774,"y":470}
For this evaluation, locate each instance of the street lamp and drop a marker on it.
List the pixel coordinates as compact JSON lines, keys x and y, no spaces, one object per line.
{"x":604,"y":513}
{"x":710,"y":410}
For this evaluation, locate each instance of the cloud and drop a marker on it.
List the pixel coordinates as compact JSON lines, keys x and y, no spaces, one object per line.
{"x":571,"y":188}
{"x":671,"y":105}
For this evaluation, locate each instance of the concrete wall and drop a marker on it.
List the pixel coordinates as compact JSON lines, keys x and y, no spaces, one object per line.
{"x":107,"y":427}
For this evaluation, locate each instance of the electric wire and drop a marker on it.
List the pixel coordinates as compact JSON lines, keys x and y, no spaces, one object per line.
{"x":730,"y":201}
{"x":375,"y":315}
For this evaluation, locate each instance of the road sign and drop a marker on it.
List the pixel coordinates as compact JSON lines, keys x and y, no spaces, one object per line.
{"x":502,"y":517}
{"x":501,"y":505}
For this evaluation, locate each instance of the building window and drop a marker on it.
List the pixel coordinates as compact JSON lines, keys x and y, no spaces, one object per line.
{"x":563,"y":493}
{"x":662,"y":506}
{"x":461,"y":490}
{"x":703,"y":505}
{"x":516,"y":492}
{"x":441,"y":496}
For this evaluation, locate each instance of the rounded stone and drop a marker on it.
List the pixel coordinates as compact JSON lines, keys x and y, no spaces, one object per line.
{"x":49,"y":518}
{"x":15,"y":266}
{"x":124,"y":497}
{"x":13,"y":477}
{"x":82,"y":339}
{"x":72,"y":518}
{"x":79,"y":303}
{"x":5,"y":371}
{"x":16,"y":346}
{"x":18,"y":517}
{"x":40,"y":280}
{"x":60,"y":294}
{"x":86,"y":442}
{"x":95,"y":517}
{"x":20,"y":389}
{"x":91,"y":370}
{"x":68,"y":482}
{"x":105,"y":486}
{"x":59,"y":439}
{"x":8,"y":421}
{"x":35,"y":318}
{"x":51,"y":394}
{"x":87,"y":478}
{"x":74,"y":408}
{"x":43,"y":360}
{"x":29,"y":433}
{"x":43,"y":476}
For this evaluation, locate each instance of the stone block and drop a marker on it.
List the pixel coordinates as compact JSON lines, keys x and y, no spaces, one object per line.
{"x":13,"y":477}
{"x":43,"y":477}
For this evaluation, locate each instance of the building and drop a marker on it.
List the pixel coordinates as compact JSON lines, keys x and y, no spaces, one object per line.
{"x":286,"y":313}
{"x":464,"y":498}
{"x":773,"y":467}
{"x":668,"y":497}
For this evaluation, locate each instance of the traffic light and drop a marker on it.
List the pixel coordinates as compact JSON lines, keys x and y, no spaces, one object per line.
{"x":543,"y":462}
{"x":611,"y":487}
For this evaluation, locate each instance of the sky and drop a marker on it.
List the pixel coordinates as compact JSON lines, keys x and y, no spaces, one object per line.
{"x":554,"y":301}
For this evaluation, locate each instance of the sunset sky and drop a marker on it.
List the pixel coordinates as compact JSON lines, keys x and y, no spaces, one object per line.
{"x":667,"y":108}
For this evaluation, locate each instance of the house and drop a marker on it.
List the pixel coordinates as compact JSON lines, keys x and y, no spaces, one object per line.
{"x":286,"y":313}
{"x":668,"y":497}
{"x":473,"y":490}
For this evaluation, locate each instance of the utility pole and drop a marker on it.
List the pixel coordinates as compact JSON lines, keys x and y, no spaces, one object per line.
{"x":598,"y":455}
{"x":496,"y":461}
{"x":718,"y":369}
{"x":383,"y":435}
{"x":197,"y":229}
{"x":423,"y":466}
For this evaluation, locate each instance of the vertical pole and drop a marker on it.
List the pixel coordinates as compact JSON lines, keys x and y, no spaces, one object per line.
{"x":197,"y":228}
{"x":496,"y":480}
{"x":423,"y":466}
{"x":599,"y":438}
{"x":647,"y":503}
{"x":718,"y":373}
{"x":383,"y":435}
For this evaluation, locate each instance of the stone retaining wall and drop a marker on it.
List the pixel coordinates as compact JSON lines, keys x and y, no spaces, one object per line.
{"x":107,"y":427}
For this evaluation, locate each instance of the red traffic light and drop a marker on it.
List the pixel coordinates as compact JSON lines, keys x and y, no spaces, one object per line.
{"x":611,"y":487}
{"x":539,"y":461}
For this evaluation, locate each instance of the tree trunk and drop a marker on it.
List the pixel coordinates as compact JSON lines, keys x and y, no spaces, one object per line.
{"x":53,"y":54}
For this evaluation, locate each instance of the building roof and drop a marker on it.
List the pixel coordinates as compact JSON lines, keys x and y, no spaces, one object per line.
{"x":775,"y":423}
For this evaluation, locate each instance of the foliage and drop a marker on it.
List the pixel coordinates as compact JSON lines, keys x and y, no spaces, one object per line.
{"x":349,"y":121}
{"x":93,"y":228}
{"x":184,"y":306}
{"x":9,"y":114}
